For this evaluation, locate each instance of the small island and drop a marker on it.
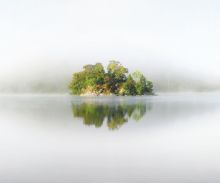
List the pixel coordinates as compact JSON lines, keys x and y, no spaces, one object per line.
{"x":95,"y":80}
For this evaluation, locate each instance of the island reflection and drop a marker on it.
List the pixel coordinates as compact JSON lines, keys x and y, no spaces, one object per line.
{"x":116,"y":114}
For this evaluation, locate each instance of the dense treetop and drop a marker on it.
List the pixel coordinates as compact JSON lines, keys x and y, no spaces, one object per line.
{"x":115,"y":80}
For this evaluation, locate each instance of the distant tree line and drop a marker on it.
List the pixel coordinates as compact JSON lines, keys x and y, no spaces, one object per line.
{"x":115,"y":80}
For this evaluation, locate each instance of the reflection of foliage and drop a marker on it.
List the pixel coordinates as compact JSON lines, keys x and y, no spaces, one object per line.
{"x":115,"y":115}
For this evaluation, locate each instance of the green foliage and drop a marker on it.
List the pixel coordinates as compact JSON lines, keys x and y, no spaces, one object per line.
{"x":137,"y":76}
{"x":149,"y":87}
{"x":129,"y":86}
{"x":116,"y":81}
{"x":116,"y":74}
{"x":91,"y":77}
{"x":117,"y":71}
{"x":77,"y":83}
{"x":143,"y":86}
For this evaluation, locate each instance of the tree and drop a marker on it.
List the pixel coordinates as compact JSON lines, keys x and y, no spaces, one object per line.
{"x":77,"y":84}
{"x":137,"y":76}
{"x":129,"y":86}
{"x":116,"y":76}
{"x":142,"y":85}
{"x":93,"y":79}
{"x":149,"y":87}
{"x":117,"y":70}
{"x":94,"y":74}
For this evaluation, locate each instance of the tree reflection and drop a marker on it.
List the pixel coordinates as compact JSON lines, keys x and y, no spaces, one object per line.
{"x":115,"y":115}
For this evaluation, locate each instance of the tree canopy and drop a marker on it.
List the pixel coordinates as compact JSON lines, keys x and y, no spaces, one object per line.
{"x":94,"y":79}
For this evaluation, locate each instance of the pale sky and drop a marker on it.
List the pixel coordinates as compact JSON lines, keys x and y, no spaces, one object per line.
{"x":148,"y":35}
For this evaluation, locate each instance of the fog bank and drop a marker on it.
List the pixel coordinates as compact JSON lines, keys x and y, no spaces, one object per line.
{"x":174,"y":43}
{"x":55,"y":78}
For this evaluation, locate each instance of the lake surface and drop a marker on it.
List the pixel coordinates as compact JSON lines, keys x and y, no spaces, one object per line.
{"x":167,"y":138}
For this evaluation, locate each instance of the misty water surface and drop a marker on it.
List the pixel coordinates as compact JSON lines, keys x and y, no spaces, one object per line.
{"x":59,"y":138}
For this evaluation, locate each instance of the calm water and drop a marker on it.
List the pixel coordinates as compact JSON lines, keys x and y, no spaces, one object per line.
{"x":62,"y":139}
